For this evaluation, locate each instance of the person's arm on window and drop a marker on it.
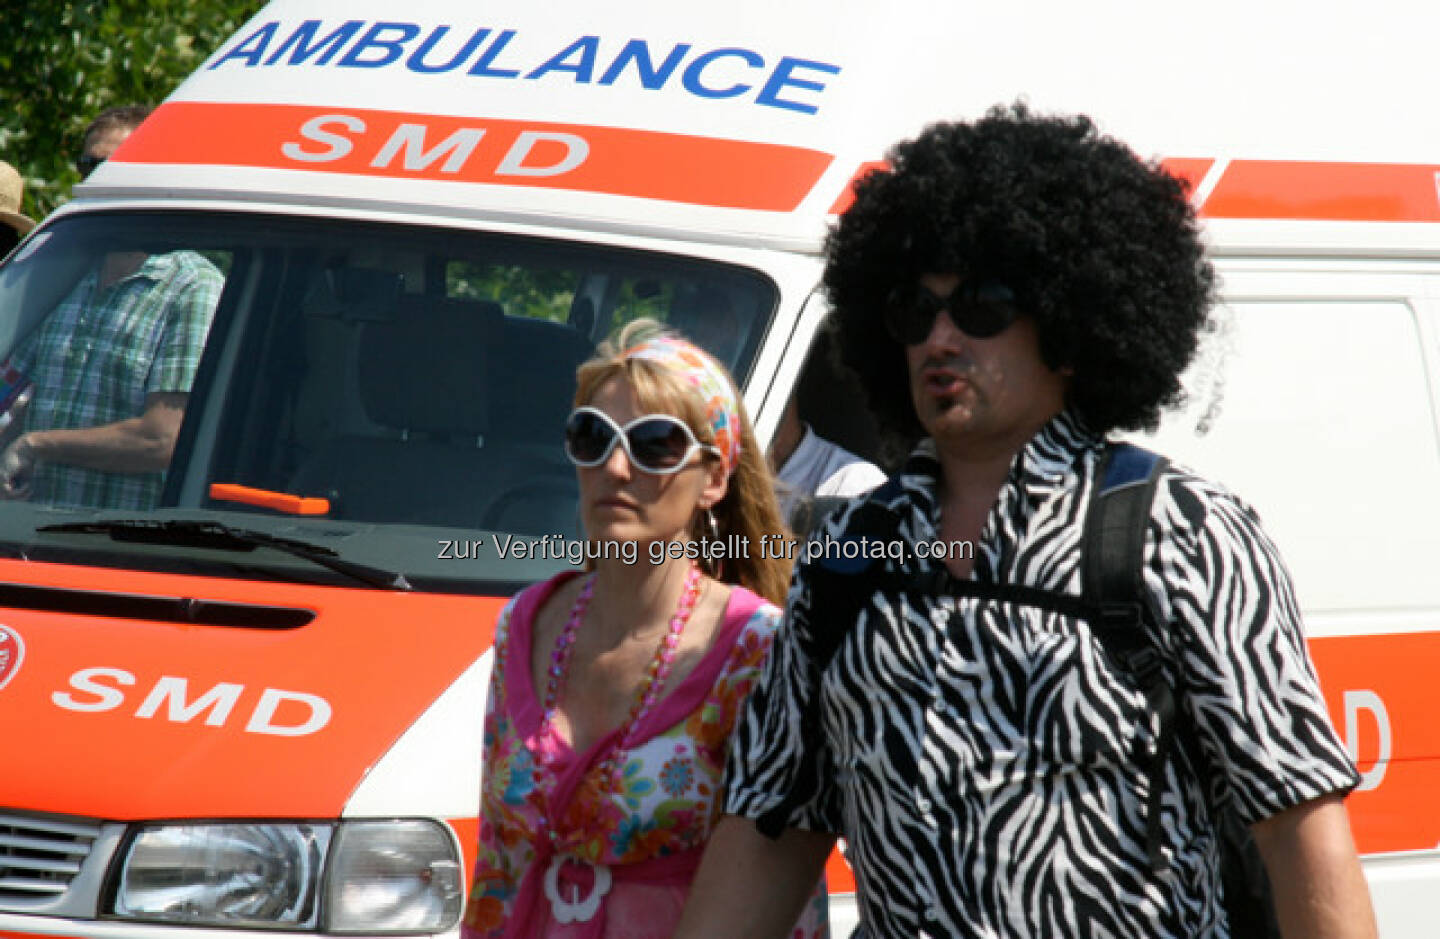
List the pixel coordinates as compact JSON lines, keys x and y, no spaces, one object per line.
{"x":140,"y":444}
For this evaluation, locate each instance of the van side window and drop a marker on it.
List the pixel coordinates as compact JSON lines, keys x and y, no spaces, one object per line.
{"x":833,"y":404}
{"x":1326,"y":427}
{"x":828,"y":446}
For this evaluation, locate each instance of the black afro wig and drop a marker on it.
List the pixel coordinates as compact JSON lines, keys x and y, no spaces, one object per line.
{"x":1100,"y":248}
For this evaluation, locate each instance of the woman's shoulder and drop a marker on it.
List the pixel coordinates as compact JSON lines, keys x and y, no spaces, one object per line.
{"x":751,"y":623}
{"x":750,"y":611}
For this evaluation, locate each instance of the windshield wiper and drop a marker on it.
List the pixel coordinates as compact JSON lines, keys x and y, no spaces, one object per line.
{"x":220,"y":537}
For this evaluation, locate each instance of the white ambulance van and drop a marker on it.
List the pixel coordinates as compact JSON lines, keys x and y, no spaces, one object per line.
{"x":253,"y":703}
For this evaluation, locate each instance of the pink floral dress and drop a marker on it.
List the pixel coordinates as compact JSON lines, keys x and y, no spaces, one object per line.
{"x":562,"y":853}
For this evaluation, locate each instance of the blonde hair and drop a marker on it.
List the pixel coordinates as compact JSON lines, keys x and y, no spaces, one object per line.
{"x":749,"y":508}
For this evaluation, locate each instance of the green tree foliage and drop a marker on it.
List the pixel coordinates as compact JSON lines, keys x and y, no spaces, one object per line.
{"x":523,"y":291}
{"x":64,"y":61}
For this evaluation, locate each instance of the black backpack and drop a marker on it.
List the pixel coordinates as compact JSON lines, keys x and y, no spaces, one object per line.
{"x":1116,"y":605}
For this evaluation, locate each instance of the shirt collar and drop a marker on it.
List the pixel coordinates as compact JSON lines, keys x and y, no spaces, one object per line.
{"x":1050,"y":459}
{"x":1046,"y":463}
{"x":155,"y":267}
{"x":807,"y":438}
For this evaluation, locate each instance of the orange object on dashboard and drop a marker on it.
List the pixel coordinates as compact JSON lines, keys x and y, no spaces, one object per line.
{"x":267,"y":499}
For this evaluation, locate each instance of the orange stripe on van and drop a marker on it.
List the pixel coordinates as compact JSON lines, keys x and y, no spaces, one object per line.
{"x":1395,"y":672}
{"x":1352,"y":192}
{"x":619,"y":161}
{"x":847,"y":196}
{"x":1189,"y":170}
{"x":1309,"y":191}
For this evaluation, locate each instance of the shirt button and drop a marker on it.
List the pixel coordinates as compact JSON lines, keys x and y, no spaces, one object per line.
{"x":931,"y":914}
{"x":923,"y":804}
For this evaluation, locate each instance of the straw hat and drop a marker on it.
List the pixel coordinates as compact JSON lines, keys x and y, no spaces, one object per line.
{"x":12,"y":190}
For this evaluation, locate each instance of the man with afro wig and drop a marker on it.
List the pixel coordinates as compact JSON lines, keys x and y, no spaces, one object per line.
{"x":1011,"y":291}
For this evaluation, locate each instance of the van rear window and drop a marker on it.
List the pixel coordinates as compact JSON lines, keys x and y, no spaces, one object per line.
{"x":393,"y":395}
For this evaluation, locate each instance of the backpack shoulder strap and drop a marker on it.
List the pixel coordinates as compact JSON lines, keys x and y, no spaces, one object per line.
{"x":1112,"y":565}
{"x":1112,"y":554}
{"x":1112,"y":561}
{"x":1112,"y":571}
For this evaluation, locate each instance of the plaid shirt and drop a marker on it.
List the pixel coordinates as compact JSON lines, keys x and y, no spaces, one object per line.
{"x":103,"y":350}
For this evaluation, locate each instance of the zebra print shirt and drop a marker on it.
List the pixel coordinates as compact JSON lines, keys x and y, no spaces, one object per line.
{"x":986,"y":761}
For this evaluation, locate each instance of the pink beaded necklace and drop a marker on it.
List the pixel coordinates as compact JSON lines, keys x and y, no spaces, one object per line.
{"x":655,"y":675}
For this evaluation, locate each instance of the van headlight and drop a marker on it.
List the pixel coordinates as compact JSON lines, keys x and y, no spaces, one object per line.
{"x":392,"y":876}
{"x":370,"y":876}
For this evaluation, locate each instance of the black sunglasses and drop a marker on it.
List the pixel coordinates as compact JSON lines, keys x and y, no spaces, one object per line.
{"x":979,"y":310}
{"x":656,"y":443}
{"x":87,"y":163}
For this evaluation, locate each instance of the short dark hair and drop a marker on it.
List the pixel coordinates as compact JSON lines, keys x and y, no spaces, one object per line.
{"x":124,"y":117}
{"x":1101,"y":248}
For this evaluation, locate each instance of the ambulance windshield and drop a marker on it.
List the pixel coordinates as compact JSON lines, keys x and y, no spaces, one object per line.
{"x":392,"y":395}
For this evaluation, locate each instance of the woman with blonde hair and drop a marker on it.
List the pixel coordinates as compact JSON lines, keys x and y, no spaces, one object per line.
{"x":615,"y":690}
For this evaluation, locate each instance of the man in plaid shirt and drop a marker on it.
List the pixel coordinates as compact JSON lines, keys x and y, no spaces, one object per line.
{"x":111,"y":369}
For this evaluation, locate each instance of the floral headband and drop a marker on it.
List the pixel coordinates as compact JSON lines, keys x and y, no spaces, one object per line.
{"x":705,"y":375}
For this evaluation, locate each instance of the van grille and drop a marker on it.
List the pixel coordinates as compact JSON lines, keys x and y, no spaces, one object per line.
{"x":39,"y":856}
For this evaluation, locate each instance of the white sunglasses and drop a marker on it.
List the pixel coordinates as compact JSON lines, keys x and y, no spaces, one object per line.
{"x":660,"y":444}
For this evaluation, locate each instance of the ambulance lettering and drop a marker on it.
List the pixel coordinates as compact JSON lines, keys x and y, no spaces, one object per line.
{"x":300,"y":48}
{"x":791,"y":83}
{"x":263,"y":721}
{"x":219,"y":701}
{"x":531,"y":153}
{"x":576,"y":150}
{"x":623,"y":161}
{"x":278,"y":712}
{"x":1364,"y":700}
{"x":411,"y":138}
{"x":319,"y":130}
